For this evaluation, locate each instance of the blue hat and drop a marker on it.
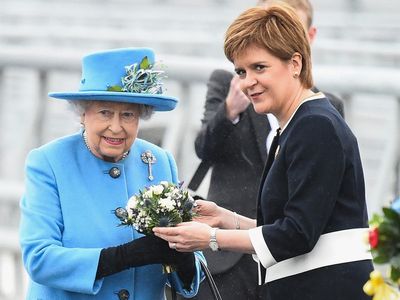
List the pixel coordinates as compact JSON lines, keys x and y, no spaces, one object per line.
{"x":121,"y":75}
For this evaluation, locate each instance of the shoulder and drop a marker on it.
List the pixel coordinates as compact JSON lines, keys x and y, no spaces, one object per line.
{"x":60,"y":145}
{"x":336,"y":102}
{"x":59,"y":150}
{"x":316,"y":118}
{"x":316,"y":111}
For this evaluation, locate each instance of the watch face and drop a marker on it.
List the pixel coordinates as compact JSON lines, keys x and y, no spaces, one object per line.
{"x":214,"y":246}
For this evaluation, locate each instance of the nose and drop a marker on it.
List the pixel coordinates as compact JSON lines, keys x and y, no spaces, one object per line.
{"x":249,"y":81}
{"x":115,"y":123}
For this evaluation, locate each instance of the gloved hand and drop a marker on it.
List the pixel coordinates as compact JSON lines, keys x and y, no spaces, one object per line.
{"x":186,"y":268}
{"x":145,"y":251}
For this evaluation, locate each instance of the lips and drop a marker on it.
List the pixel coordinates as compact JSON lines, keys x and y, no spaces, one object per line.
{"x":114,"y":141}
{"x":255,"y":95}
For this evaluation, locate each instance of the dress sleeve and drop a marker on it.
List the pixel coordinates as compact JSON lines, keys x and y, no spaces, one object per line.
{"x":45,"y":259}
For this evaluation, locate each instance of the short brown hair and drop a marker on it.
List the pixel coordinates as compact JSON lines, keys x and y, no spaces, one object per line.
{"x":303,"y":5}
{"x":277,"y":29}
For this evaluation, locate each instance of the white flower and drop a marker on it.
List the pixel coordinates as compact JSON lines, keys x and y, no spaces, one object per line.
{"x":132,"y":203}
{"x":148,"y":194}
{"x":164,"y":183}
{"x":167,"y":203}
{"x":158,"y":189}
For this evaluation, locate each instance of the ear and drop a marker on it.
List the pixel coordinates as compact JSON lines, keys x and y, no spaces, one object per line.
{"x":83,"y":118}
{"x":296,"y":63}
{"x":312,"y":32}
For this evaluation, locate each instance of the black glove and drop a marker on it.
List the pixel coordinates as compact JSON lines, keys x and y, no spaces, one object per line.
{"x":146,"y":250}
{"x":186,"y":268}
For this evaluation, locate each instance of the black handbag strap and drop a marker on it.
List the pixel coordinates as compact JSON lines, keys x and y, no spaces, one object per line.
{"x":210,"y":280}
{"x":199,"y":175}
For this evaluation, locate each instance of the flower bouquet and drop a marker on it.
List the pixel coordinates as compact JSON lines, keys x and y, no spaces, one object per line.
{"x":162,"y":205}
{"x":384,"y":239}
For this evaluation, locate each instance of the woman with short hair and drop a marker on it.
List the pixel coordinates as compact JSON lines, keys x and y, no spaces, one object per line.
{"x":311,"y":212}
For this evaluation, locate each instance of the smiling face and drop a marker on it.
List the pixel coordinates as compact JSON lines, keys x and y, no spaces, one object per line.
{"x":111,"y":128}
{"x":270,"y":83}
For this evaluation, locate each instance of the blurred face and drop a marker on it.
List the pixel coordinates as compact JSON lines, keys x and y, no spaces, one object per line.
{"x":111,"y":128}
{"x":269,"y":83}
{"x":312,"y":30}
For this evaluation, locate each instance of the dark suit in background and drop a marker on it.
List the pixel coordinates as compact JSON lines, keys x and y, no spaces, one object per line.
{"x":237,"y":154}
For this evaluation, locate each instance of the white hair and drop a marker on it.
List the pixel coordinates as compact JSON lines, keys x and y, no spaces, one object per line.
{"x":80,"y":106}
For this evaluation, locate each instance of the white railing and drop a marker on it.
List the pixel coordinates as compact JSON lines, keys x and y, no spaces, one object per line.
{"x":187,"y":77}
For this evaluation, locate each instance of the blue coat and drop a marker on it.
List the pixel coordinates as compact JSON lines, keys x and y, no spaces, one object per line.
{"x":67,"y":218}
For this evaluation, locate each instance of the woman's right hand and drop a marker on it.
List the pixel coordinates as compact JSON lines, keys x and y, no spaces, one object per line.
{"x":208,"y":212}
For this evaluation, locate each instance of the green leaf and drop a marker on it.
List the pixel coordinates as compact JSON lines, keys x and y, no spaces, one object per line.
{"x":375,"y":220}
{"x":381,"y":259}
{"x":394,"y":274}
{"x":145,"y":64}
{"x":114,"y":88}
{"x":391,"y":214}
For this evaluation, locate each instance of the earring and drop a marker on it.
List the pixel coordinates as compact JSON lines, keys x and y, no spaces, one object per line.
{"x":295,"y":75}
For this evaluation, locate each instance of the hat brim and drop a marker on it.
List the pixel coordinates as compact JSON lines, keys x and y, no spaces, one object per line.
{"x":159,"y":102}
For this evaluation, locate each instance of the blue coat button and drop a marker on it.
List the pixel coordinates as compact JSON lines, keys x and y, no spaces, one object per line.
{"x":114,"y":172}
{"x":123,"y":294}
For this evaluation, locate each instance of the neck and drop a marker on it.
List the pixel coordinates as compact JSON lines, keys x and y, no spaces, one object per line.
{"x":297,"y":99}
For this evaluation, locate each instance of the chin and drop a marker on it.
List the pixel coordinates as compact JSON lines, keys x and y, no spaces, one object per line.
{"x":260,"y":109}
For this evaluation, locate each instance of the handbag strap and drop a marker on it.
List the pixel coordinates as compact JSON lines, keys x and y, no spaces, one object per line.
{"x":210,"y":280}
{"x":199,"y":175}
{"x":173,"y":294}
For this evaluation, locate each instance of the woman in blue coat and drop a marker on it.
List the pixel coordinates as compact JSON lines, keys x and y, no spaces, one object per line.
{"x":71,"y":243}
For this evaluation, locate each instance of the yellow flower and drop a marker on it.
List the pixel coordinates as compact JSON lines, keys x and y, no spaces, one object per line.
{"x":378,"y":288}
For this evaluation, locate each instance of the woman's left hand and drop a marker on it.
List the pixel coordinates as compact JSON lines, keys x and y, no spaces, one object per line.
{"x":185,"y":237}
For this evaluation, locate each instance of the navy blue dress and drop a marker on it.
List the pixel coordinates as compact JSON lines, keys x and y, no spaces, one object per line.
{"x":315,"y":186}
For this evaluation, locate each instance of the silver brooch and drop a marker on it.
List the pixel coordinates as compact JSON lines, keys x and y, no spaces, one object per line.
{"x":149,"y":159}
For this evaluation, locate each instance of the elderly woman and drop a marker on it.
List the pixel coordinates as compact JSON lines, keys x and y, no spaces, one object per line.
{"x":71,"y":244}
{"x":308,"y":236}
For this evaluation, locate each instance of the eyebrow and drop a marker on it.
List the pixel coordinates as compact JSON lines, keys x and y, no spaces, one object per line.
{"x":254,"y":64}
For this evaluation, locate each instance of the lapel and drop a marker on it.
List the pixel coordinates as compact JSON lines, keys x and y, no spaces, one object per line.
{"x":270,"y":159}
{"x":268,"y":164}
{"x":261,"y":129}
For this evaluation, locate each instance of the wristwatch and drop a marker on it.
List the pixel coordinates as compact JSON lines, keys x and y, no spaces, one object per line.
{"x":213,"y":240}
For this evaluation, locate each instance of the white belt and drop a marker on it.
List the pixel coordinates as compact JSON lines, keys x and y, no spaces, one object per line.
{"x":331,"y":249}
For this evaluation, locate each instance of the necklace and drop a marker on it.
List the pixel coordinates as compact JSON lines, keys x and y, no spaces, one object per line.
{"x":84,"y":136}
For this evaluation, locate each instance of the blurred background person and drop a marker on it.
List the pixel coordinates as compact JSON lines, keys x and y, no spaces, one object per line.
{"x":311,"y":207}
{"x":71,"y":243}
{"x":234,"y":141}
